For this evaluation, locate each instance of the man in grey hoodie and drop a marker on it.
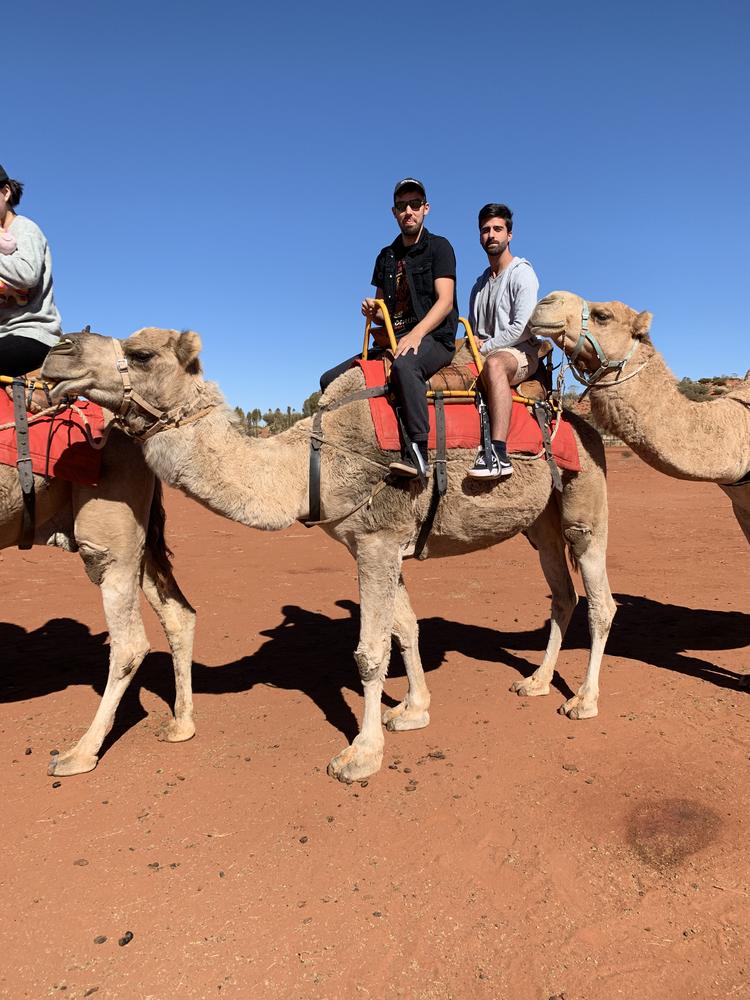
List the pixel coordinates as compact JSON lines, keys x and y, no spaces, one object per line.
{"x":500,"y":305}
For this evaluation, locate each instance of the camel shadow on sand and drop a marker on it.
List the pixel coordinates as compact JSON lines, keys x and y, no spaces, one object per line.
{"x":312,"y":653}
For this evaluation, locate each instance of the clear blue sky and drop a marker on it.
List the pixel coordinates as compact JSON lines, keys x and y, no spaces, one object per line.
{"x":229,"y":167}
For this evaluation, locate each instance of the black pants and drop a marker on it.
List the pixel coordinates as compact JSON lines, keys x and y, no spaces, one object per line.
{"x":19,"y":355}
{"x":409,"y":376}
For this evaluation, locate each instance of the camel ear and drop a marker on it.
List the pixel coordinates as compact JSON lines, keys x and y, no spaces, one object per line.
{"x":187,"y":350}
{"x":642,"y":325}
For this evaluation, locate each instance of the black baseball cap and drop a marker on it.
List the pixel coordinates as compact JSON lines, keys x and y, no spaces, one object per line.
{"x":409,"y":182}
{"x":4,"y":177}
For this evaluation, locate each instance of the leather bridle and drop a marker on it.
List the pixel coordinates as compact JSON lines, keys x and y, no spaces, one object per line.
{"x":606,"y":365}
{"x":163,"y":419}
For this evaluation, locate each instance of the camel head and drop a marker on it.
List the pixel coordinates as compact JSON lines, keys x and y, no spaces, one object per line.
{"x":578,"y":327}
{"x":162,"y":365}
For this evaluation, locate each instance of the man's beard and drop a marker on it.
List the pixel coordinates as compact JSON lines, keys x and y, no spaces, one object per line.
{"x":496,"y":249}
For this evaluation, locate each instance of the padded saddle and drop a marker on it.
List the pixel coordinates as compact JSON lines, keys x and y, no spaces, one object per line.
{"x":461,"y":374}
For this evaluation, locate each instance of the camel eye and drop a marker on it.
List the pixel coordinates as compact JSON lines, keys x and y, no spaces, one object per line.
{"x":602,"y":315}
{"x":140,"y":357}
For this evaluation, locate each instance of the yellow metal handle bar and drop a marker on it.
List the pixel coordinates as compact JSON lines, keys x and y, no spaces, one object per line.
{"x":388,"y":329}
{"x":473,"y":348}
{"x":472,"y":341}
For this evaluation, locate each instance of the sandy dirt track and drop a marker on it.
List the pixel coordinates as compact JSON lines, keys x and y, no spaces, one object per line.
{"x":504,"y":852}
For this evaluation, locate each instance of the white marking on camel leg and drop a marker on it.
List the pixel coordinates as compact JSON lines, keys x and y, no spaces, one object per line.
{"x":412,"y":712}
{"x":546,"y":536}
{"x":117,"y":575}
{"x":601,"y":611}
{"x":177,"y":619}
{"x":379,"y":568}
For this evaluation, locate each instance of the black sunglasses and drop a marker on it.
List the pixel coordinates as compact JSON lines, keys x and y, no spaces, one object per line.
{"x":412,"y":203}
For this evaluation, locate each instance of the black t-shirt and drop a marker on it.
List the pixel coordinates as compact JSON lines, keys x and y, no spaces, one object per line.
{"x":404,"y":317}
{"x":432,"y":257}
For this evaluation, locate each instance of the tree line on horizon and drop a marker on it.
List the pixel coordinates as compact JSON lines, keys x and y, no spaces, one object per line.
{"x":254,"y":422}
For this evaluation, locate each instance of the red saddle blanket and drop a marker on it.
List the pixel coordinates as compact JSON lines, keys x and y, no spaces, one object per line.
{"x":462,"y":426}
{"x":71,"y":456}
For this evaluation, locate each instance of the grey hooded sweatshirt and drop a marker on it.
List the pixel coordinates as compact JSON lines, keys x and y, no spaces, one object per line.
{"x":499,"y":308}
{"x":27,"y":308}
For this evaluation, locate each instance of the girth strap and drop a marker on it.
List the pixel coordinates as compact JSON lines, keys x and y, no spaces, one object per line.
{"x":316,"y":442}
{"x":484,"y":425}
{"x":23,"y":464}
{"x":541,"y":413}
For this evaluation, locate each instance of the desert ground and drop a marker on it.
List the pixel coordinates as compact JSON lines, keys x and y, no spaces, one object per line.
{"x":503,"y":852}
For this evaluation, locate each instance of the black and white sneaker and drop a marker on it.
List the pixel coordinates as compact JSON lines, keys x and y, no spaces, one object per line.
{"x":496,"y":468}
{"x":412,"y":463}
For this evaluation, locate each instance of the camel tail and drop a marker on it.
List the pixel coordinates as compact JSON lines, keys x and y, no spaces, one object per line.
{"x":156,"y":543}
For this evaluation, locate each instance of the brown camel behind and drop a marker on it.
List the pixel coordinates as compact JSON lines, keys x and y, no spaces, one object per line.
{"x":703,"y":441}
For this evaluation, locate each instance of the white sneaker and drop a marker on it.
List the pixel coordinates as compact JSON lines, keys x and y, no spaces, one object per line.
{"x":497,"y":468}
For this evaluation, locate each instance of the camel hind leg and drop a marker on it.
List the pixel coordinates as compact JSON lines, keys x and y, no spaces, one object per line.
{"x":547,"y":538}
{"x":413,"y":711}
{"x":379,"y":570}
{"x":584,"y":522}
{"x":177,"y":619}
{"x":117,"y":570}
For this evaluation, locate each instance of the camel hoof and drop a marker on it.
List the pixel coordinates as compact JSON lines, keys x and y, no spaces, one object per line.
{"x":355,"y":763}
{"x":65,"y":764}
{"x":576,"y":710}
{"x":529,"y":688}
{"x":402,"y":718}
{"x":406,"y":721}
{"x":177,"y":732}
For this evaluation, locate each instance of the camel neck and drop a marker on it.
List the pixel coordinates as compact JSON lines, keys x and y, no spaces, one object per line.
{"x":260,"y":483}
{"x":701,"y":441}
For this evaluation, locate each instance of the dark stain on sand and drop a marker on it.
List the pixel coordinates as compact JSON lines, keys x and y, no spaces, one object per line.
{"x":664,"y":832}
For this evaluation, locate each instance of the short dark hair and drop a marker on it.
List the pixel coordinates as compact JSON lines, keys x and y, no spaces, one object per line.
{"x":495,"y":211}
{"x":16,"y":190}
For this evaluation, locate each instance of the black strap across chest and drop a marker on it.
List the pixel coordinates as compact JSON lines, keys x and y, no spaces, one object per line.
{"x":316,"y":442}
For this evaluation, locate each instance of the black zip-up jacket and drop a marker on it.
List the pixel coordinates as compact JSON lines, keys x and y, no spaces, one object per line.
{"x":431,"y":257}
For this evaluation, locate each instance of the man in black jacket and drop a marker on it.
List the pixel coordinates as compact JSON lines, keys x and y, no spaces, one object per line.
{"x":416,"y":277}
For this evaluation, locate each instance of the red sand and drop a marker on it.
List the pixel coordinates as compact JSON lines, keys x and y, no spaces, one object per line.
{"x":535,"y":857}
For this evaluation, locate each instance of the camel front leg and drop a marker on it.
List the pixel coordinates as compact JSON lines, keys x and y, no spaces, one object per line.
{"x":601,"y":610}
{"x":379,"y":569}
{"x":547,"y":538}
{"x":412,"y":712}
{"x":177,"y":618}
{"x":117,"y":575}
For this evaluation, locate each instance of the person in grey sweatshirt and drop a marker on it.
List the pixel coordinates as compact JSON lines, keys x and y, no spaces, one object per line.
{"x":501,"y":302}
{"x":29,"y":321}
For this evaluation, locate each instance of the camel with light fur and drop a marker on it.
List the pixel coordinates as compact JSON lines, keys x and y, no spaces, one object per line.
{"x":264,"y":484}
{"x":636,"y":397}
{"x":117,"y":528}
